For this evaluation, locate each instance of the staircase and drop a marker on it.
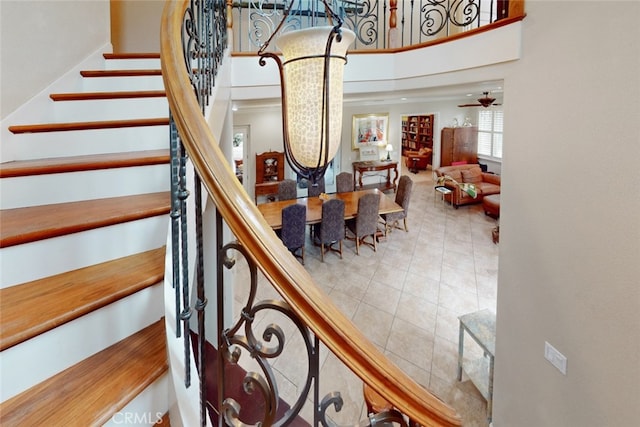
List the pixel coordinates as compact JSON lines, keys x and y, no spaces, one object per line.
{"x":83,"y":226}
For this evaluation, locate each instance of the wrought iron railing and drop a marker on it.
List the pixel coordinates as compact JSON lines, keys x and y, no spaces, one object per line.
{"x":193,"y":42}
{"x":378,"y":24}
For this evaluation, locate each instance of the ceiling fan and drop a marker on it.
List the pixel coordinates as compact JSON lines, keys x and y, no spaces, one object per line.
{"x":485,"y":101}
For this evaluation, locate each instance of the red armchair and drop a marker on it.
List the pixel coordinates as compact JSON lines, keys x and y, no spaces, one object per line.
{"x":418,"y":160}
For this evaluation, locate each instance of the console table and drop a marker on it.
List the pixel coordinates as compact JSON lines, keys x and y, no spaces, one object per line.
{"x":481,"y":326}
{"x":360,"y":168}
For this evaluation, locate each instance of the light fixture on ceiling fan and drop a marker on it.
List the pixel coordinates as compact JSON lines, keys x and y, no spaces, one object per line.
{"x":484,"y":101}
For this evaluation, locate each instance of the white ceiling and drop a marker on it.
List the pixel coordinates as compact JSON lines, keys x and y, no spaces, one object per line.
{"x":460,"y":94}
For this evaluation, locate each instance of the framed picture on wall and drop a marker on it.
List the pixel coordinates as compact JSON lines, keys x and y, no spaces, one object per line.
{"x":369,"y":153}
{"x":369,"y":130}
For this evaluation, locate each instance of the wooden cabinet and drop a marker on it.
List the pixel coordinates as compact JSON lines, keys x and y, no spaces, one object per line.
{"x":458,"y":145}
{"x":269,"y":172}
{"x":417,"y":132}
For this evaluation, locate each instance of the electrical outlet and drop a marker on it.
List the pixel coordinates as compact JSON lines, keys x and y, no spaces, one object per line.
{"x":556,"y":358}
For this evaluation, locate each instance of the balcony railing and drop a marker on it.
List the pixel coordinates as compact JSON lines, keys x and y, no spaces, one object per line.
{"x":193,"y":50}
{"x":378,"y":24}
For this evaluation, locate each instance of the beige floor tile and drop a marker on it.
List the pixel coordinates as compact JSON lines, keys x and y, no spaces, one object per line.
{"x":412,"y":343}
{"x":375,"y":324}
{"x":382,"y":296}
{"x":406,"y":298}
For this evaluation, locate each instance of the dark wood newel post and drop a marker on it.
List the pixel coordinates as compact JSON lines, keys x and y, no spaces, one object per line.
{"x":516,"y":8}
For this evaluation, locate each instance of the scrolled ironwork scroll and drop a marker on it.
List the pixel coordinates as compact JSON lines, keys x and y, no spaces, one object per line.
{"x":265,"y":346}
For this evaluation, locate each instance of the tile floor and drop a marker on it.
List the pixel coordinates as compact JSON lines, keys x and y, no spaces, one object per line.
{"x":406,"y":298}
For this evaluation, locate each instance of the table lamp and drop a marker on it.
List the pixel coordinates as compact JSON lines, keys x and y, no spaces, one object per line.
{"x":389,"y":149}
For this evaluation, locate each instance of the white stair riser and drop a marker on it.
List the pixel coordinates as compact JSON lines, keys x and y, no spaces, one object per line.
{"x":132,"y":64}
{"x":85,"y":142}
{"x":47,"y":354}
{"x":32,"y":261}
{"x":86,"y":185}
{"x":147,"y":408}
{"x":107,"y":84}
{"x":41,"y":357}
{"x":110,"y":109}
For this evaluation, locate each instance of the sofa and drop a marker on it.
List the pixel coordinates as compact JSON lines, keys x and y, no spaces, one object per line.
{"x":485,"y":183}
{"x":418,"y":160}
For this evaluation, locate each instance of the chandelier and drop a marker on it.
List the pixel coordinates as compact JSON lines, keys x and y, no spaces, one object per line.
{"x":311,"y":85}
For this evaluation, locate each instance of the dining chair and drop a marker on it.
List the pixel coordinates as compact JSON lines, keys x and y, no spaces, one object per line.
{"x":365,"y":223}
{"x":344,"y":182}
{"x":330,"y":230}
{"x":403,"y":196}
{"x":287,"y":189}
{"x":292,"y":233}
{"x":316,"y":190}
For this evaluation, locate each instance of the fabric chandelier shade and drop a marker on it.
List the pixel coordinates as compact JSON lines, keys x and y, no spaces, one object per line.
{"x":304,"y":103}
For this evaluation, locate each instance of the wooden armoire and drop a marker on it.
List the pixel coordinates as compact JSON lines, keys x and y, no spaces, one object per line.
{"x":458,"y":145}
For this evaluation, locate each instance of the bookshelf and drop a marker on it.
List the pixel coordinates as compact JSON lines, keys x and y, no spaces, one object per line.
{"x":417,"y":132}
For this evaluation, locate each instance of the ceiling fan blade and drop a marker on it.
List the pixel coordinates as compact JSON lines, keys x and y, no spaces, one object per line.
{"x":470,"y":105}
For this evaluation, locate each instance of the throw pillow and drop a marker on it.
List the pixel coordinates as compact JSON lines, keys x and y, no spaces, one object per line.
{"x":473,"y":175}
{"x":455,"y":174}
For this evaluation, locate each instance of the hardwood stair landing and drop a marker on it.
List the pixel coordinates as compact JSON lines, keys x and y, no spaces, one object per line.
{"x":25,"y":225}
{"x":36,"y":307}
{"x":92,"y":391}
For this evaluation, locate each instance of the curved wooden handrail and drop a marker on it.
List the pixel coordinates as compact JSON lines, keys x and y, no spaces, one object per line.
{"x":285,"y":273}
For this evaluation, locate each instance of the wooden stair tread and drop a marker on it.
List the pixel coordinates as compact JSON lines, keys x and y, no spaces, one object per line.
{"x":83,"y":163}
{"x":100,"y":124}
{"x":36,"y":307}
{"x":90,"y":392}
{"x":24,"y":225}
{"x":120,"y":73}
{"x":133,"y":55}
{"x":86,"y":96}
{"x":165,"y":421}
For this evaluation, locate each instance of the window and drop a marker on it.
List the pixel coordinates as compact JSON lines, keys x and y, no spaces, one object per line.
{"x":490,"y":133}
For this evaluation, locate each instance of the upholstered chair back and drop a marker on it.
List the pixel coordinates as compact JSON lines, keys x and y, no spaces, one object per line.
{"x":331,"y":228}
{"x":344,"y":182}
{"x":403,"y":195}
{"x":292,"y":234}
{"x":287,"y":189}
{"x":367,"y":220}
{"x":315,"y":190}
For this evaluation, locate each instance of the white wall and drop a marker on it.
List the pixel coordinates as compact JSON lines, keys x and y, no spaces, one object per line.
{"x":135,"y":25}
{"x":41,"y":40}
{"x":570,"y":237}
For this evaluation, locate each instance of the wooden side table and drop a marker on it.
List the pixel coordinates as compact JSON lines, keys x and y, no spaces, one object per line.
{"x":360,"y":168}
{"x":266,"y":189}
{"x":481,"y":326}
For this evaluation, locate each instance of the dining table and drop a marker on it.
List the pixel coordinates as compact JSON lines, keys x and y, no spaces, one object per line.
{"x":272,"y":211}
